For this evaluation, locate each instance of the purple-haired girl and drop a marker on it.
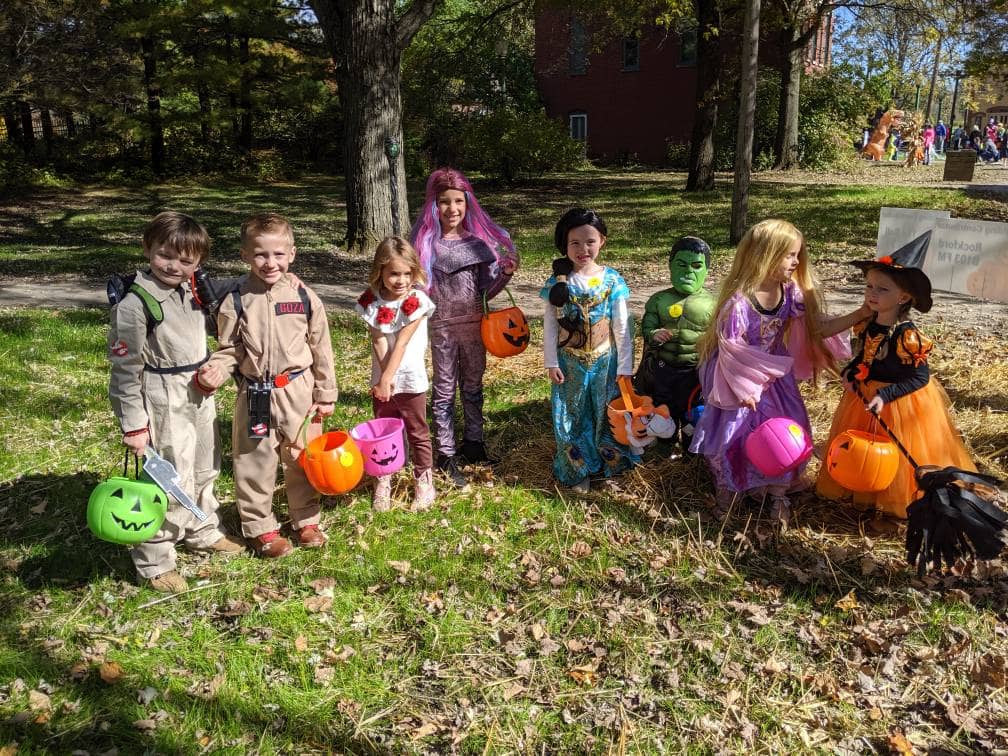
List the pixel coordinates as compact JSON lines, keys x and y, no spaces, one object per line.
{"x":466,"y":256}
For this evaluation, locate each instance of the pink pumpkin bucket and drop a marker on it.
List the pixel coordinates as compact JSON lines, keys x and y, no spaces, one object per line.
{"x":382,"y":445}
{"x":778,"y":446}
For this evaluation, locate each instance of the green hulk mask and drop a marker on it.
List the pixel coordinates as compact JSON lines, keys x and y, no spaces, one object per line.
{"x":688,"y":265}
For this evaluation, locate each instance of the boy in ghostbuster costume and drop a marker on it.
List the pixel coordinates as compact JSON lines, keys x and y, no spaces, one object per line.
{"x":274,"y":333}
{"x":673,"y":320}
{"x":157,"y":341}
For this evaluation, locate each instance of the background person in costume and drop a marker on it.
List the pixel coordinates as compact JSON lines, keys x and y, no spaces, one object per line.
{"x":396,"y":310}
{"x":153,"y":396}
{"x":466,"y":257}
{"x":273,"y":332}
{"x":769,"y":333}
{"x":673,"y":320}
{"x":890,"y":365}
{"x":587,"y":343}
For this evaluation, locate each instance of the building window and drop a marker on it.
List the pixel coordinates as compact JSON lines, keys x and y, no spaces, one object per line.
{"x":631,"y":54}
{"x":688,"y":46}
{"x":578,"y":126}
{"x":577,"y":50}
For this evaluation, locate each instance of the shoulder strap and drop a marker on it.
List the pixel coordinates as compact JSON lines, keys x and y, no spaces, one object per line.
{"x":236,"y":300}
{"x":303,"y":295}
{"x":152,"y":308}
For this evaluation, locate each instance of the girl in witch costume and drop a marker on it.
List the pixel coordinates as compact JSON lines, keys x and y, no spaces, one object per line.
{"x":587,"y":342}
{"x":890,"y":366}
{"x":768,"y":333}
{"x":466,"y":257}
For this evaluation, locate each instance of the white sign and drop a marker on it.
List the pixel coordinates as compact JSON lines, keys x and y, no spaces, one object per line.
{"x":901,"y":225}
{"x":969,"y":257}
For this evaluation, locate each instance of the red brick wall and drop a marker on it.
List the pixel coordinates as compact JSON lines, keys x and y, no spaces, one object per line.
{"x":630,"y":113}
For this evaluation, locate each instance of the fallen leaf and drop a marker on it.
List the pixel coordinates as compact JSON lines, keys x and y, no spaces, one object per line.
{"x":323,"y":584}
{"x":402,"y":568}
{"x":990,"y":669}
{"x":317,"y":604}
{"x":342,"y":655}
{"x":580,"y":549}
{"x":847,"y":603}
{"x":110,"y":672}
{"x":146,"y":695}
{"x":39,"y":701}
{"x":899,"y":745}
{"x":301,"y":644}
{"x":324,"y":675}
{"x":428,"y":728}
{"x":39,"y":508}
{"x":585,"y":674}
{"x":145,"y":725}
{"x":79,"y":671}
{"x":774,"y":667}
{"x":512,"y":690}
{"x":548,"y":646}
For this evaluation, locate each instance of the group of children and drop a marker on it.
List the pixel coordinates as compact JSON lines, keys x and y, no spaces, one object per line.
{"x":740,"y":355}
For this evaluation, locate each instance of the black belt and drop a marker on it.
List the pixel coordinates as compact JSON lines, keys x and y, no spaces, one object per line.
{"x":178,"y":368}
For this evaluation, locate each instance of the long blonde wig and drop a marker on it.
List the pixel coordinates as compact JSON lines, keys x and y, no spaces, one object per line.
{"x":760,"y":252}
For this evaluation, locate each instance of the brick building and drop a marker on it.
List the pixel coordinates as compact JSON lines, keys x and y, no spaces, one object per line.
{"x":635,"y":95}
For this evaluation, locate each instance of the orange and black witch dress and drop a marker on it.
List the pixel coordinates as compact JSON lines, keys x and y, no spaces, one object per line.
{"x":891,"y":362}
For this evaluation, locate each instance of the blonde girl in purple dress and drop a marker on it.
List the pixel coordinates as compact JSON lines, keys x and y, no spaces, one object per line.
{"x":769,"y":333}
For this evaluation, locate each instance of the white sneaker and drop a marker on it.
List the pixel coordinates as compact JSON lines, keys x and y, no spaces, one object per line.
{"x":583,"y":486}
{"x":382,"y":499}
{"x":424,"y":491}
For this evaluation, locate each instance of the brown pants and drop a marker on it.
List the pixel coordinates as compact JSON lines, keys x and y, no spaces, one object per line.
{"x":255,"y":460}
{"x":412,"y":408}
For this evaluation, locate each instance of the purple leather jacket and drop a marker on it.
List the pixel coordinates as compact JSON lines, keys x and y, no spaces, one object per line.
{"x":463,"y":270}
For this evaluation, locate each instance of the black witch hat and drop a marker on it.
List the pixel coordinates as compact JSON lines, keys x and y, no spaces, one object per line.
{"x":905,"y":266}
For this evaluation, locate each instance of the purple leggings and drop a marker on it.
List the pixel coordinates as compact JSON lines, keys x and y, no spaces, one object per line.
{"x":459,"y":359}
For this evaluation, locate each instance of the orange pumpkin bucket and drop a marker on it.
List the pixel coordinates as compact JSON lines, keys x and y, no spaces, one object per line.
{"x":505,"y":332}
{"x":332,"y":462}
{"x":863,"y":462}
{"x":638,"y":406}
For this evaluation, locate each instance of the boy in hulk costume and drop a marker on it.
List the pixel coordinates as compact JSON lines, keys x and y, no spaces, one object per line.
{"x":674,"y":318}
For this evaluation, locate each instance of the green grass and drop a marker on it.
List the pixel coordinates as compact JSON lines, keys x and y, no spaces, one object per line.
{"x":526,"y":622}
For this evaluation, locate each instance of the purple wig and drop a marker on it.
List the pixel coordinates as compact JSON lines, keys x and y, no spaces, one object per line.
{"x":427,"y":229}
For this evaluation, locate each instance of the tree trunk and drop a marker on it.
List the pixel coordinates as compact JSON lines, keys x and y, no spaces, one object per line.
{"x":747,"y":115}
{"x":245,"y":98}
{"x":366,"y":41}
{"x":708,"y":92}
{"x":786,"y":141}
{"x":934,"y":79}
{"x":10,"y":118}
{"x":47,"y":131}
{"x":71,"y":126}
{"x":27,"y":128}
{"x":156,"y":128}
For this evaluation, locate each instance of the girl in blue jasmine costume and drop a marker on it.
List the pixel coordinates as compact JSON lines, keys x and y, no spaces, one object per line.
{"x":587,"y":343}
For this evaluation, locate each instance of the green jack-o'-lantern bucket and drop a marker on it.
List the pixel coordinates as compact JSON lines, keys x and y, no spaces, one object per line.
{"x":126,"y":511}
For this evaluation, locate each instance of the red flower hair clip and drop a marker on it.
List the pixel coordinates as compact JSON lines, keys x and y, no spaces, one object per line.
{"x":886,"y":260}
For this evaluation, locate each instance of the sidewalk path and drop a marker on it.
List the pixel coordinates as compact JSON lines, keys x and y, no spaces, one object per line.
{"x":68,"y":293}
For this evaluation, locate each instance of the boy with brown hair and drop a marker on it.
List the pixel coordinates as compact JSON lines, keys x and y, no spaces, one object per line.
{"x":274,"y":335}
{"x":157,"y":341}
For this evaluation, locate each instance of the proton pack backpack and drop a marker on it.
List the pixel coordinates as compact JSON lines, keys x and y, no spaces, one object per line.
{"x":118,"y":286}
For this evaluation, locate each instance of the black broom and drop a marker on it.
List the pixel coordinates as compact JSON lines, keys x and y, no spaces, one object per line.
{"x":954,"y":514}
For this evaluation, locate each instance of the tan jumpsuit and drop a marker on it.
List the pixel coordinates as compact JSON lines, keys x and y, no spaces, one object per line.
{"x":273,"y":336}
{"x":182,"y":421}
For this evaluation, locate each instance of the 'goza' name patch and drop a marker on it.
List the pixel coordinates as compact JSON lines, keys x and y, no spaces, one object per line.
{"x":289,"y":308}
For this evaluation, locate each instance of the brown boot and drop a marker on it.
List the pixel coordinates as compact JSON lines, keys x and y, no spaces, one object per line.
{"x":271,"y":545}
{"x":226,"y":545}
{"x":310,"y":537}
{"x":168,"y":582}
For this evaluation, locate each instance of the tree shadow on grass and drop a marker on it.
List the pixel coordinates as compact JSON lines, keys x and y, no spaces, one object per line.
{"x":44,"y":518}
{"x":105,"y":713}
